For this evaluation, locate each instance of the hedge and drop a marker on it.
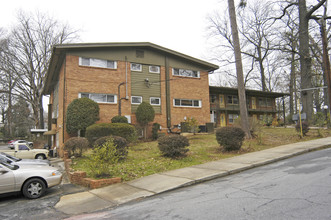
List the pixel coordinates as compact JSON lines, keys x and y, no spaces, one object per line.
{"x":123,"y":130}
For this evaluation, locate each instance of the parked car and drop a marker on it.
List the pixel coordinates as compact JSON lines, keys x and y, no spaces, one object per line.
{"x":11,"y":144}
{"x":25,"y":152}
{"x":31,"y":180}
{"x":18,"y":161}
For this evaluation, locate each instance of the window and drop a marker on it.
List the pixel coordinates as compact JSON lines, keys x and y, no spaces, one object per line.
{"x":154,"y":69}
{"x":265,"y":102}
{"x":155,"y":101}
{"x":232,"y":118}
{"x":186,"y":73}
{"x":232,"y":100}
{"x":187,"y":103}
{"x":212,"y":98}
{"x":136,"y":67}
{"x":100,"y":98}
{"x":110,"y":64}
{"x":136,"y":99}
{"x":22,"y":147}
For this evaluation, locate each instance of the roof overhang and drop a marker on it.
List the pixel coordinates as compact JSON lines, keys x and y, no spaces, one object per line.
{"x":59,"y":51}
{"x":249,"y":92}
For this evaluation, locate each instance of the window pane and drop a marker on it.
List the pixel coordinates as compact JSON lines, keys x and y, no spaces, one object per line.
{"x":235,"y":100}
{"x":111,"y":64}
{"x":136,"y":67}
{"x":98,"y":97}
{"x":177,"y":102}
{"x":85,"y":61}
{"x":111,"y":98}
{"x":84,"y":95}
{"x":196,"y":103}
{"x":230,"y":99}
{"x":185,"y":102}
{"x":176,"y":72}
{"x":154,"y":69}
{"x":155,"y":101}
{"x":98,"y":63}
{"x":136,"y":99}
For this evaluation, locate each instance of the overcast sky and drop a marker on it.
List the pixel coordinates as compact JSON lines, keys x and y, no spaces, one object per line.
{"x":176,"y":24}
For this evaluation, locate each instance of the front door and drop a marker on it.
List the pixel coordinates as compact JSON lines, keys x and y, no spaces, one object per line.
{"x":222,"y":119}
{"x":253,"y":103}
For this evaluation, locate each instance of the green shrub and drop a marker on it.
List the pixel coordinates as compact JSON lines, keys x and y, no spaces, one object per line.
{"x":119,"y":119}
{"x":103,"y":158}
{"x":155,"y":131}
{"x":319,"y":119}
{"x":123,"y":130}
{"x":305,"y":127}
{"x":120,"y":143}
{"x":230,"y":138}
{"x":144,"y":114}
{"x":173,"y":145}
{"x":76,"y":145}
{"x":81,"y":113}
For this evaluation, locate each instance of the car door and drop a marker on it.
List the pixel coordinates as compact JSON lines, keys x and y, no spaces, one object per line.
{"x":24,"y":152}
{"x":7,"y":180}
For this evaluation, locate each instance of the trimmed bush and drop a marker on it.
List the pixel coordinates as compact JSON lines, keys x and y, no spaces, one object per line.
{"x":123,"y":130}
{"x":155,"y":131}
{"x":81,"y":113}
{"x":230,"y":138}
{"x":173,"y":145}
{"x":119,"y":119}
{"x":120,"y":143}
{"x":76,"y":145}
{"x":305,"y":127}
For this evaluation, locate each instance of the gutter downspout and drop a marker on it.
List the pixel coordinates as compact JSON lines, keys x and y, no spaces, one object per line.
{"x":167,"y":93}
{"x":126,"y":78}
{"x":64,"y":95}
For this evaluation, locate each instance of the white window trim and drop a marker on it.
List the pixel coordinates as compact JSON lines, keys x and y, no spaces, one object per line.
{"x":81,"y":63}
{"x":200,"y":104}
{"x":140,"y":70}
{"x":150,"y":100}
{"x":159,"y":69}
{"x":141,"y":98}
{"x":115,"y":97}
{"x":173,"y":73}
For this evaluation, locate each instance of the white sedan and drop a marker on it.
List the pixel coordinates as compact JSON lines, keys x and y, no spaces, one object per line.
{"x":18,"y":161}
{"x":32,"y":181}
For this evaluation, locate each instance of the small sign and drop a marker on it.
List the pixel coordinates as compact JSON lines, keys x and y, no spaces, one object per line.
{"x":296,"y":117}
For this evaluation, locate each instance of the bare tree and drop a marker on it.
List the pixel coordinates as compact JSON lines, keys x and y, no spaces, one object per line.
{"x":29,"y":51}
{"x":239,"y":69}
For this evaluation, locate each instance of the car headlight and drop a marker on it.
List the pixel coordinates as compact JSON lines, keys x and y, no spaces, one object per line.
{"x":56,"y":173}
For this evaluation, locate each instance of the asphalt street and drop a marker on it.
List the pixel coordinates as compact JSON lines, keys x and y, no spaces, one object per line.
{"x":295,"y":188}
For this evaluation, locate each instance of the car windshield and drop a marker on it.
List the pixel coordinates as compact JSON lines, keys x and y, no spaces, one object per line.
{"x":11,"y":157}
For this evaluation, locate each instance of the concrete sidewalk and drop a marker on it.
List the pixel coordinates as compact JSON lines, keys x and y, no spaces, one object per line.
{"x":117,"y":194}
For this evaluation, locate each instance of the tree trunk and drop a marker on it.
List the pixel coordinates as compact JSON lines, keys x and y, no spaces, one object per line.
{"x":293,"y":81}
{"x":239,"y":69}
{"x":305,"y":62}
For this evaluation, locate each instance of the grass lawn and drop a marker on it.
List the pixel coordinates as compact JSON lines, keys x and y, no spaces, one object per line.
{"x":144,"y":158}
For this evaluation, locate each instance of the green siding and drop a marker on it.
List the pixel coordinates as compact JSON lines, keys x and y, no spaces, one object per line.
{"x":139,"y":87}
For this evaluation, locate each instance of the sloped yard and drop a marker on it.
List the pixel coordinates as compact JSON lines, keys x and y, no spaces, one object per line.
{"x":144,"y":158}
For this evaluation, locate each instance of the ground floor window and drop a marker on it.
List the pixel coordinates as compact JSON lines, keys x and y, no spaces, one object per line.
{"x":100,"y":98}
{"x":136,"y":99}
{"x":187,"y":103}
{"x":232,"y":118}
{"x":155,"y":101}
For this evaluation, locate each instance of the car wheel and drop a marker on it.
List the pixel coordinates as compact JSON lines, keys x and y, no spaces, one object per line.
{"x":40,"y":156}
{"x":34,"y":188}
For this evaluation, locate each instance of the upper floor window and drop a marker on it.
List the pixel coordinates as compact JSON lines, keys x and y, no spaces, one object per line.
{"x":155,"y":101}
{"x":110,"y":64}
{"x":186,"y":73}
{"x":187,"y":103}
{"x":154,"y":69}
{"x":136,"y":99}
{"x":212,"y":98}
{"x":136,"y":67}
{"x":232,"y":99}
{"x":100,"y":98}
{"x":265,"y":102}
